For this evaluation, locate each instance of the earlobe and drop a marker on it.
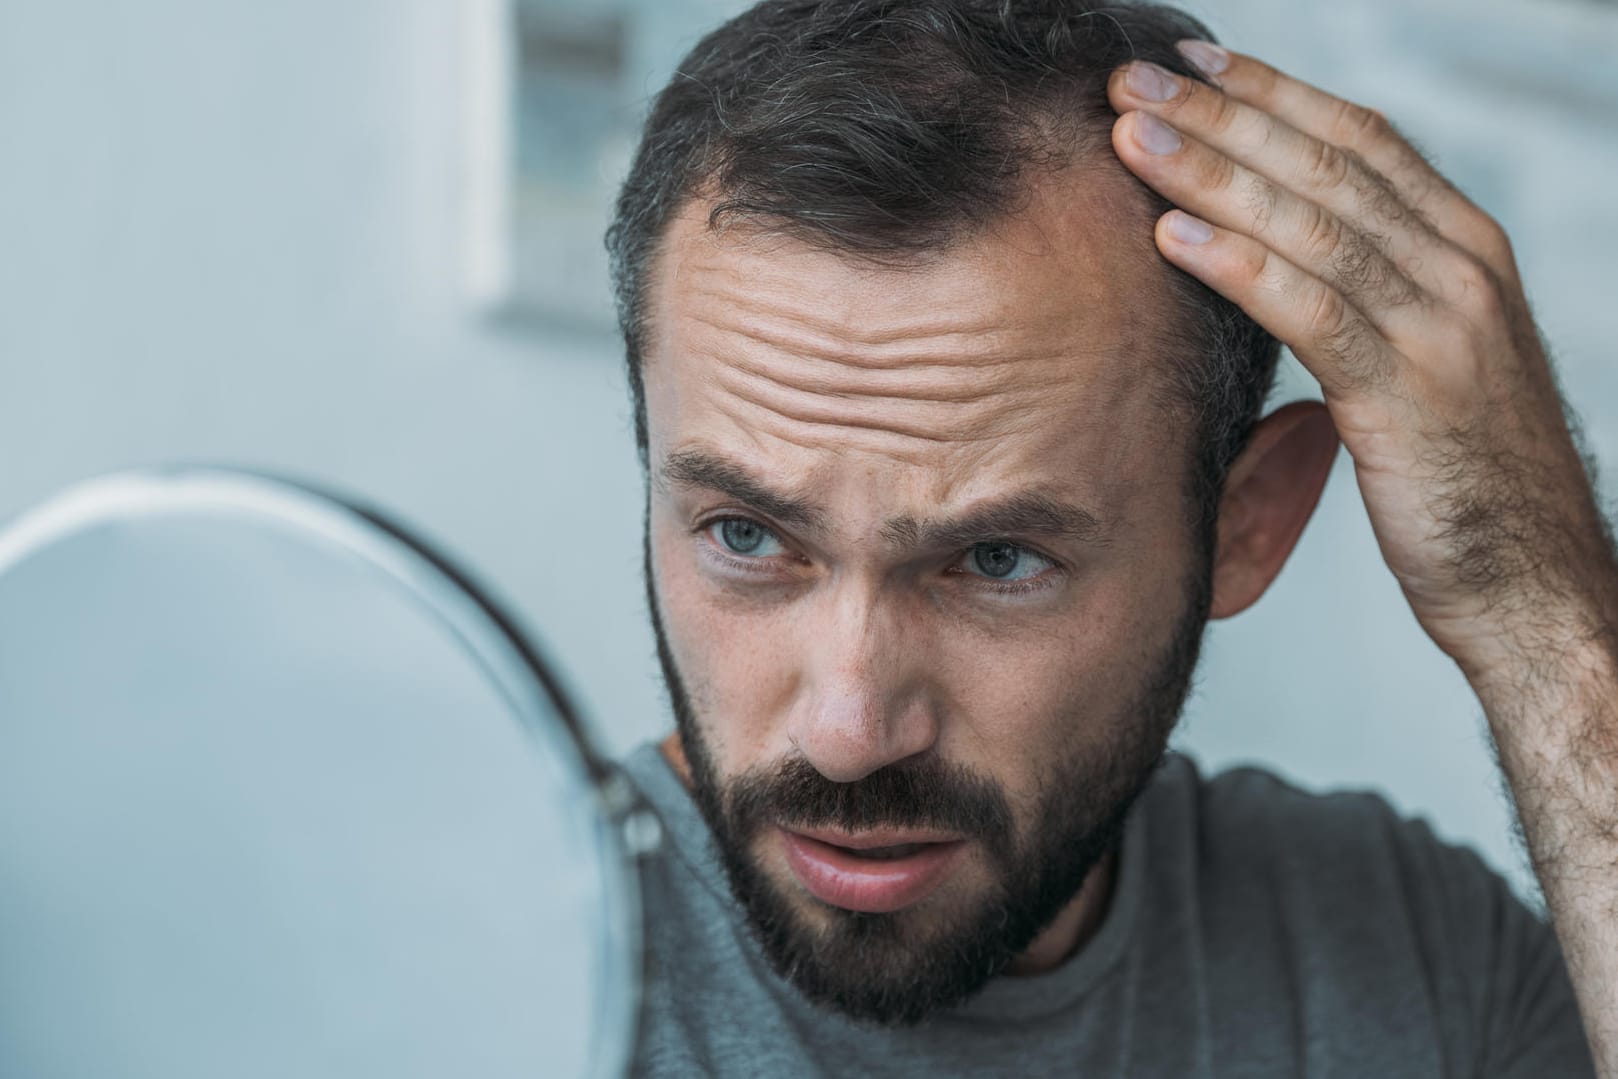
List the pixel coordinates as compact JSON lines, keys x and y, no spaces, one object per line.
{"x":1269,"y":496}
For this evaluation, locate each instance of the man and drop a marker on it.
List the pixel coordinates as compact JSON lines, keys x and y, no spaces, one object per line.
{"x":951,"y":454}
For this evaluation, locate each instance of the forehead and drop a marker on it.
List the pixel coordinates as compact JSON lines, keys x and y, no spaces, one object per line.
{"x":1028,"y":351}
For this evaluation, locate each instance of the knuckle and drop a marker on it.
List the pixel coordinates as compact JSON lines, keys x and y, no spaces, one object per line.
{"x":1322,"y":234}
{"x":1358,"y":164}
{"x":1342,"y":342}
{"x":1402,"y":290}
{"x":1479,"y":293}
{"x":1254,"y":269}
{"x":1326,"y":165}
{"x":1369,"y":183}
{"x":1261,"y":201}
{"x":1355,"y":264}
{"x":1385,"y":204}
{"x":1492,"y":244}
{"x":1218,"y":172}
{"x":1328,"y":316}
{"x":1264,"y":130}
{"x":1359,"y":265}
{"x":1222,"y":114}
{"x":1360,"y":125}
{"x":1346,"y":343}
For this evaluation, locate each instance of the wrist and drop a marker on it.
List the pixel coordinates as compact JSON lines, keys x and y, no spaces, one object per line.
{"x":1553,"y":657}
{"x":1559,"y":617}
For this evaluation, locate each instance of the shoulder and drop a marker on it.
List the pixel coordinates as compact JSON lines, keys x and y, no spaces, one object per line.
{"x":1339,"y":896}
{"x":1247,"y":820}
{"x":1342,"y":876}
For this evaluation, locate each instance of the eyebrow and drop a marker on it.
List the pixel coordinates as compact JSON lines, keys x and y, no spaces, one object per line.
{"x":1027,"y":513}
{"x":1023,"y":514}
{"x":698,"y":469}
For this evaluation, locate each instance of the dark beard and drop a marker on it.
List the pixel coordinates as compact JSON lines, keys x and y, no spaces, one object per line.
{"x":896,"y":968}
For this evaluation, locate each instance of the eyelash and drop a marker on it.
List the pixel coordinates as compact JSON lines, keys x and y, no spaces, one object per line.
{"x":754,"y":567}
{"x":1040,"y":583}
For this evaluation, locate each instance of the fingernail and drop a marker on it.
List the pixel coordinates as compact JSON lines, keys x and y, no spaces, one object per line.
{"x":1209,"y":58}
{"x":1154,"y":136}
{"x":1189,"y":230}
{"x":1147,"y":80}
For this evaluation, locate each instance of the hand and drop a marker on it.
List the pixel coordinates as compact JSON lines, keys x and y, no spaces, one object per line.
{"x":1402,"y":297}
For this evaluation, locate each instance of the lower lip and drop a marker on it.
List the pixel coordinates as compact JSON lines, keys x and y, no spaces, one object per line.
{"x":833,"y":875}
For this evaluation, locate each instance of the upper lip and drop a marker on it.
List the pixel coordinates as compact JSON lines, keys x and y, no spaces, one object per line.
{"x":875,"y":837}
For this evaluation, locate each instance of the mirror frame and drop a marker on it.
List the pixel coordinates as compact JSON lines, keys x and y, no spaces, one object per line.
{"x":489,"y":635}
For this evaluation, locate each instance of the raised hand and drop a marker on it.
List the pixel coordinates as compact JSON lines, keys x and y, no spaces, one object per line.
{"x":1402,"y":297}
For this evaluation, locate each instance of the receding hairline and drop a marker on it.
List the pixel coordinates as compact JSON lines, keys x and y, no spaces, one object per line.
{"x":1109,"y":191}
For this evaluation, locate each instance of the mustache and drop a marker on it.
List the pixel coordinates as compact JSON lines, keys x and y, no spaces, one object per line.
{"x":928,"y":794}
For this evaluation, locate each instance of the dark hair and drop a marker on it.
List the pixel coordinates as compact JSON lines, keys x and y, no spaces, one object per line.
{"x":889,"y":129}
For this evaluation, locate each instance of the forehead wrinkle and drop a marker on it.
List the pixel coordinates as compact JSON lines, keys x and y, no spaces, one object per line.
{"x":964,"y":349}
{"x":851,"y":334}
{"x":803,"y":374}
{"x":807,"y":408}
{"x":838,"y":440}
{"x":928,"y":399}
{"x":758,"y":287}
{"x":939,"y":411}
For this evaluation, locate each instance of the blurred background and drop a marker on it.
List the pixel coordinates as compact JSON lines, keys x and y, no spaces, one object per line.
{"x":359,"y":242}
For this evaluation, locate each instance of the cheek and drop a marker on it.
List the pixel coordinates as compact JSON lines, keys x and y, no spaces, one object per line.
{"x":1046,"y":691}
{"x":734,"y":659}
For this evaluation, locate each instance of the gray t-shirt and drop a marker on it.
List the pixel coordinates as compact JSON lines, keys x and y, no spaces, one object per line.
{"x":1254,"y":930}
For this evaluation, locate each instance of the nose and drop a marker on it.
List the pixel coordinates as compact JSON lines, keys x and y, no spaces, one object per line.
{"x":864,"y":703}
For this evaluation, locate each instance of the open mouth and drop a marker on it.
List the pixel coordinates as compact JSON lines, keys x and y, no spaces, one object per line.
{"x":861,"y":873}
{"x":884,"y":854}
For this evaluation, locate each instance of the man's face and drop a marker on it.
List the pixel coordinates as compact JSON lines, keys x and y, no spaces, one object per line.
{"x":927,"y":594}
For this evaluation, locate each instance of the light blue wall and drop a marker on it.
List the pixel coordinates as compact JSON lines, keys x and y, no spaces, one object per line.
{"x":232,"y":231}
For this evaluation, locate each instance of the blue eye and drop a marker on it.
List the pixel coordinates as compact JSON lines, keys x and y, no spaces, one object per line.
{"x":740,"y":536}
{"x":1004,"y":561}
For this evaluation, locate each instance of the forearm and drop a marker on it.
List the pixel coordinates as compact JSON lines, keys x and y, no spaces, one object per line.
{"x":1553,"y":710}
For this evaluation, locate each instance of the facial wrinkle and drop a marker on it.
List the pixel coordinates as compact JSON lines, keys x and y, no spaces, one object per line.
{"x":864,"y":334}
{"x":949,"y":365}
{"x":759,"y":427}
{"x":919,"y":376}
{"x":955,"y":334}
{"x":936,"y":403}
{"x":782,"y":412}
{"x":1007,"y":387}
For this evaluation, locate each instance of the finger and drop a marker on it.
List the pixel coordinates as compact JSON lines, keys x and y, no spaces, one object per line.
{"x":1328,"y":334}
{"x":1337,"y":179}
{"x":1368,"y":133}
{"x":1222,"y":192}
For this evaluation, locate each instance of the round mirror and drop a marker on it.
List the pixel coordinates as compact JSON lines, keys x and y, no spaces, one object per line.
{"x":281,"y":794}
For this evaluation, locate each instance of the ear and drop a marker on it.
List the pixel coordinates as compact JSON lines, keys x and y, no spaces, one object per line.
{"x":1269,"y":495}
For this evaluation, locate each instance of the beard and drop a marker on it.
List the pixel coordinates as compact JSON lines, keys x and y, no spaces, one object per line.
{"x":895,"y":969}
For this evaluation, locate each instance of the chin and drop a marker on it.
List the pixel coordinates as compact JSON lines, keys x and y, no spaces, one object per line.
{"x":882,"y":969}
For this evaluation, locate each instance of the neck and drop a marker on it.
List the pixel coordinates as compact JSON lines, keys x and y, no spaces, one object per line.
{"x":1074,"y":925}
{"x":1068,"y":932}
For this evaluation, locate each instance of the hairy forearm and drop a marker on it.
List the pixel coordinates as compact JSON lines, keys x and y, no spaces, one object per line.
{"x":1553,"y":710}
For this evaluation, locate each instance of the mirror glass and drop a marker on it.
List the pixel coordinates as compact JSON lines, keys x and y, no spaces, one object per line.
{"x":280,"y":795}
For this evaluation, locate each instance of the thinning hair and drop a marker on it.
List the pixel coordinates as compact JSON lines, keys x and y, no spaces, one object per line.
{"x":890,"y":130}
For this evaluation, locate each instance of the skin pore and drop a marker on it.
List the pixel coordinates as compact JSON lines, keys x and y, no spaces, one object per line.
{"x":936,"y":517}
